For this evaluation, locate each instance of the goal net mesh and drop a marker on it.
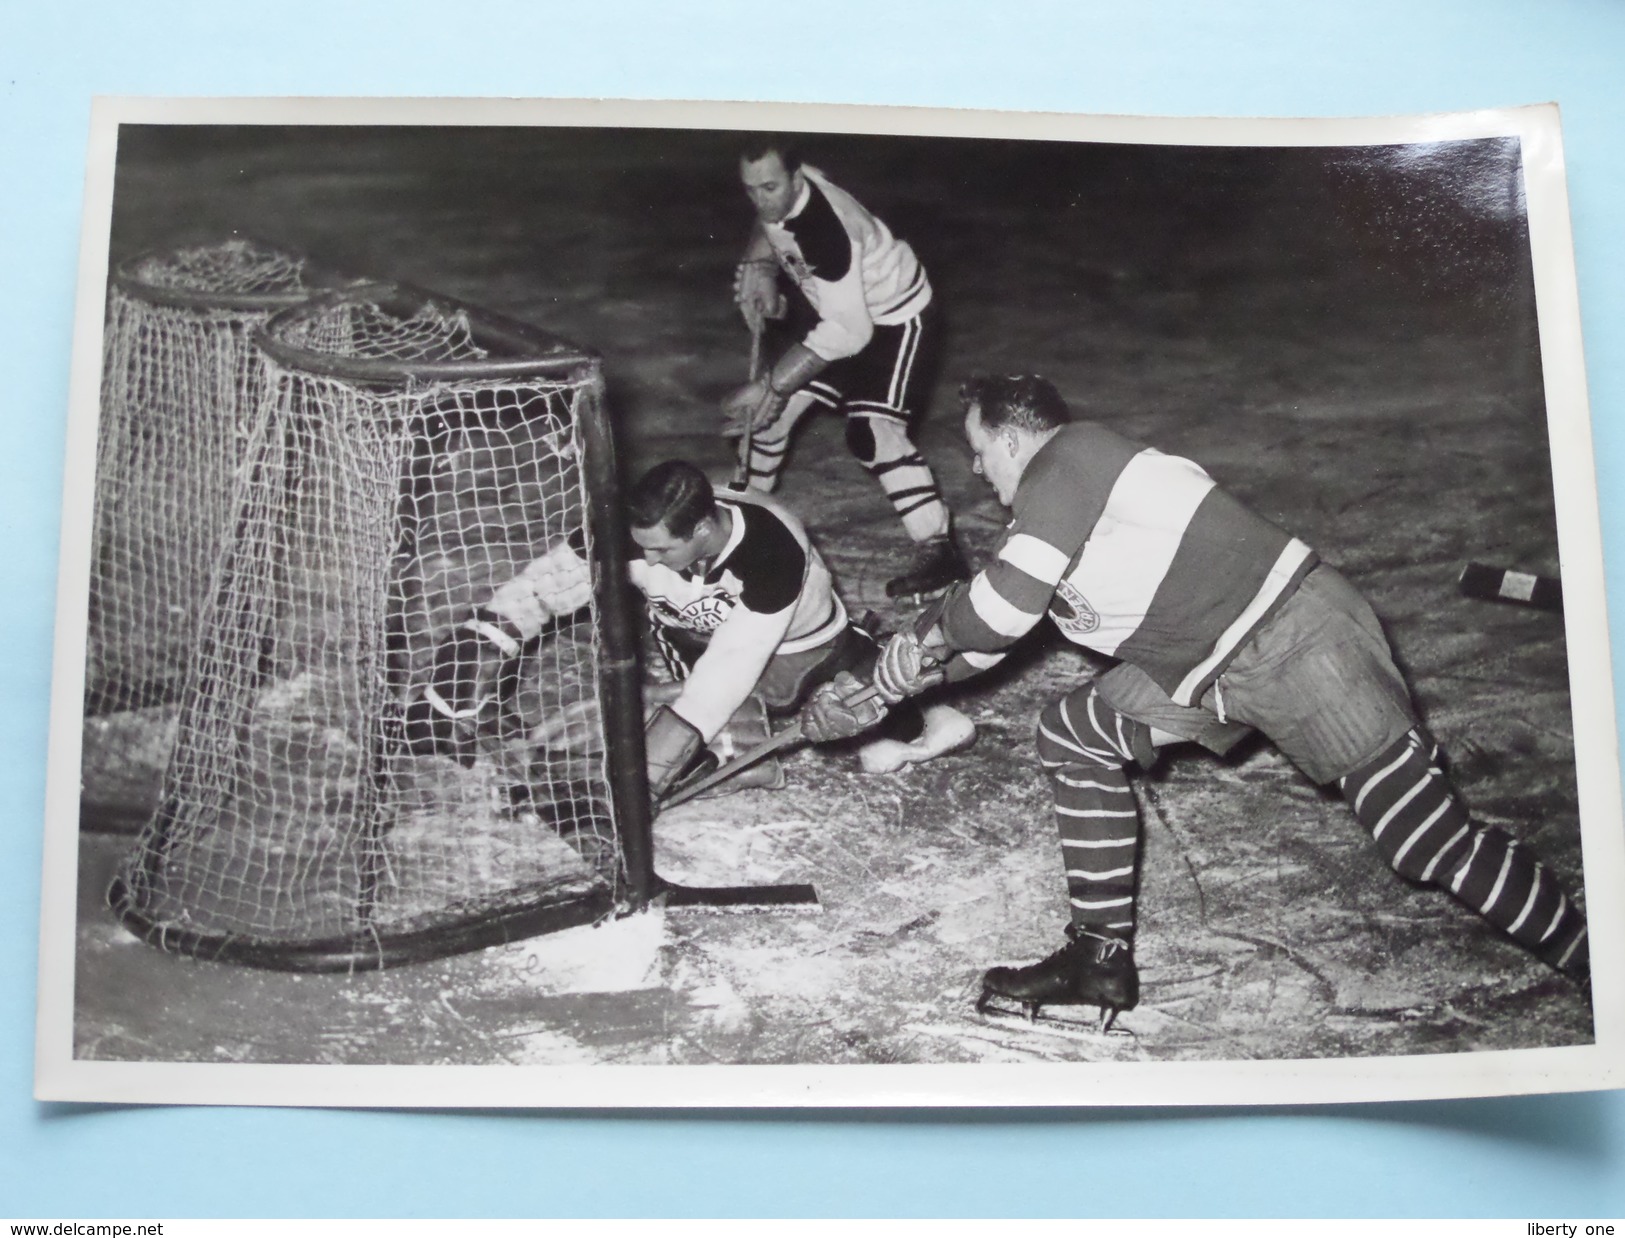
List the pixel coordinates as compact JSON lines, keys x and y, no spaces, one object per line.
{"x":180,"y":383}
{"x":378,"y":502}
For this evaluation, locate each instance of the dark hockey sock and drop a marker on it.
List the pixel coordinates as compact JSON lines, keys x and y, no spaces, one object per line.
{"x":1083,"y":745}
{"x":1407,"y":803}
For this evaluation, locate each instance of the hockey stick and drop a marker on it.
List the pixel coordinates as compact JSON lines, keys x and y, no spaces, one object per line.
{"x":791,"y":897}
{"x":790,"y":735}
{"x":795,"y":896}
{"x":1497,"y":584}
{"x":774,"y":743}
{"x":741,"y":477}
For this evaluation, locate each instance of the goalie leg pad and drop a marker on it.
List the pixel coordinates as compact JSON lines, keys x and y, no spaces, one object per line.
{"x":747,"y":729}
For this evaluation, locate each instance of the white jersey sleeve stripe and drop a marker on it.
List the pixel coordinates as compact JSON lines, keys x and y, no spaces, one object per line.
{"x":1036,"y":557}
{"x":1135,"y":541}
{"x":998,"y":614}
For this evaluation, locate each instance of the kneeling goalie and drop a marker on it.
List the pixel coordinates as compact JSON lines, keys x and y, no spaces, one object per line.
{"x":745,"y":615}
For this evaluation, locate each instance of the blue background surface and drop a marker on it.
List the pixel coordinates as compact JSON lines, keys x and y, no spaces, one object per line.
{"x":1550,"y":1157}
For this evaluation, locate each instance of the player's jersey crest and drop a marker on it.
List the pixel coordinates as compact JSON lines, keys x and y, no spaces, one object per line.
{"x":797,"y":266}
{"x":1071,"y":611}
{"x":705,"y":614}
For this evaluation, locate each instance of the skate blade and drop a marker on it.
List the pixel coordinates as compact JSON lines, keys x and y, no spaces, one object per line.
{"x":1043,"y":1018}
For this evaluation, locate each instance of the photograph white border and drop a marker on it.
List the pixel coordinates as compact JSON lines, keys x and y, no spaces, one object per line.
{"x":59,"y":1077}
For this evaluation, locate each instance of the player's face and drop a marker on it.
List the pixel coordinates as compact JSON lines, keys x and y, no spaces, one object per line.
{"x":770,"y":186}
{"x":993,"y":456}
{"x":661,"y":549}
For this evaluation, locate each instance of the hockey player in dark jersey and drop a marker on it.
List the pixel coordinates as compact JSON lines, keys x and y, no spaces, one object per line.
{"x":1222,"y":624}
{"x":746,"y":618}
{"x":855,"y":334}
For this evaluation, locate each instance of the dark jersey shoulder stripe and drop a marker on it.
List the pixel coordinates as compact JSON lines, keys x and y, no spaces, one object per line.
{"x":1065,"y":488}
{"x":768,"y":561}
{"x":821,"y":237}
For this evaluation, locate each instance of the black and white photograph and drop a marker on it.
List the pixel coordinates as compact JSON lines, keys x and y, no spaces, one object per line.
{"x":951,"y":607}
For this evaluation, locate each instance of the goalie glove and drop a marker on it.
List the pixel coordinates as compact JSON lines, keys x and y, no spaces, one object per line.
{"x":756,"y":292}
{"x":670,"y":743}
{"x":830,"y":714}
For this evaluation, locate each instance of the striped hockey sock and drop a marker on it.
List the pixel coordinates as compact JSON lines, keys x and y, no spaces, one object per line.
{"x":1407,"y":803}
{"x":1083,"y":745}
{"x":770,"y":446}
{"x":882,"y":446}
{"x":766,"y":463}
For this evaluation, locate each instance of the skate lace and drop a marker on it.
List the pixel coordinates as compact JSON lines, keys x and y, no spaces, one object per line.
{"x":1102,"y":949}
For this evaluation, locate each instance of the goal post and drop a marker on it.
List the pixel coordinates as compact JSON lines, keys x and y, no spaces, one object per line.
{"x":181,"y":380}
{"x":409,"y":454}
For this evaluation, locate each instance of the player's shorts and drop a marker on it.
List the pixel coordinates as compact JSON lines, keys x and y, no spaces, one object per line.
{"x":1318,"y":680}
{"x":891,"y":377}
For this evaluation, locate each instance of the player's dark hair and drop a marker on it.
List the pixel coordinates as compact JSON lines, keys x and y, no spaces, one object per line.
{"x":674,"y":494}
{"x":761,"y":145}
{"x":1025,"y":401}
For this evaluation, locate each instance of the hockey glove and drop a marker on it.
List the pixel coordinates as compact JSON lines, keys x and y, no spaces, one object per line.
{"x":670,"y":742}
{"x":756,"y":292}
{"x":755,"y":405}
{"x":830,"y":714}
{"x":906,"y":668}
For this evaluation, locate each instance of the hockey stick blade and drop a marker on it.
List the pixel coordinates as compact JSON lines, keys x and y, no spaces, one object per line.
{"x":759,"y":899}
{"x":790,"y":735}
{"x":1497,"y":584}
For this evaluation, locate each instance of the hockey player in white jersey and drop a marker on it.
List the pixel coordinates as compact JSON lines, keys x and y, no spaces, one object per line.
{"x":854,"y":333}
{"x":746,"y":617}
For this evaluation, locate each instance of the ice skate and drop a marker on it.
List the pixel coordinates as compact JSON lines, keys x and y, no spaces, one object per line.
{"x":946,"y":730}
{"x":1092,"y":969}
{"x":937,"y":564}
